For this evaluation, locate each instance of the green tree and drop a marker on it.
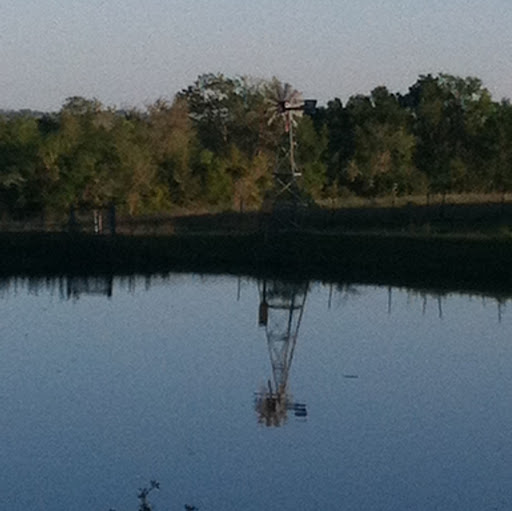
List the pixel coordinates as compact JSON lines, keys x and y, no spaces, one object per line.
{"x":88,"y":153}
{"x":20,"y":174}
{"x":225,"y":111}
{"x":229,"y":117}
{"x":450,"y":115}
{"x":382,"y":162}
{"x":498,"y":147}
{"x":340,"y":135}
{"x":134,"y":174}
{"x":311,"y":155}
{"x":173,"y":142}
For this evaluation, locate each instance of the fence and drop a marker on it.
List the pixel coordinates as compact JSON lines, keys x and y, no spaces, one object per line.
{"x":86,"y":220}
{"x":106,"y":221}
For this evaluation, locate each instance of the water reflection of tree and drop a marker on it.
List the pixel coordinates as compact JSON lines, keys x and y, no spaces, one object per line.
{"x":280,"y":314}
{"x":66,"y":287}
{"x":344,"y":292}
{"x":73,"y":286}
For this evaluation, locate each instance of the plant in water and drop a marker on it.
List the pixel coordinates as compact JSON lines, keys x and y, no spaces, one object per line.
{"x":144,"y":505}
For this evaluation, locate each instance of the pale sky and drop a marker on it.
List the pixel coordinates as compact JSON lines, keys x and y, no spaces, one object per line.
{"x":132,"y":52}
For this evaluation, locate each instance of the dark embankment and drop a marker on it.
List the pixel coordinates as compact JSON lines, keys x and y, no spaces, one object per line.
{"x":436,"y":218}
{"x":393,"y":259}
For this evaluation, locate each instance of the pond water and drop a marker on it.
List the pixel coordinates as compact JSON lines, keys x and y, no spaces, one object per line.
{"x":242,"y":394}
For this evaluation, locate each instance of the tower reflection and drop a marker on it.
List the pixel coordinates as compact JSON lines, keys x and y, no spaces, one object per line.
{"x":280,"y":314}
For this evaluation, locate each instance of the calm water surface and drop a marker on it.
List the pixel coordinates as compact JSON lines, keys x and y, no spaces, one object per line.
{"x":397,"y":400}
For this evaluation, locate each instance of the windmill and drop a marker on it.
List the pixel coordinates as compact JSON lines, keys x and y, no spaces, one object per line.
{"x":280,"y":313}
{"x":286,"y":105}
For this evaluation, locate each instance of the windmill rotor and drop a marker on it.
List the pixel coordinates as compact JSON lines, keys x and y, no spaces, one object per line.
{"x":284,"y":102}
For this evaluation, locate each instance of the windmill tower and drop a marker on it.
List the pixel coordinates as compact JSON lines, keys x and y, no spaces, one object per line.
{"x":286,"y":106}
{"x":280,"y":313}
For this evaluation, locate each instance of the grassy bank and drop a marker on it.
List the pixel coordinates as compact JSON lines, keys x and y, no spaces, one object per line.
{"x":461,"y":214}
{"x":465,"y":263}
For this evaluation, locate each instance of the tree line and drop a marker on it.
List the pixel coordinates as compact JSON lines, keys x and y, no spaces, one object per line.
{"x":213,"y":147}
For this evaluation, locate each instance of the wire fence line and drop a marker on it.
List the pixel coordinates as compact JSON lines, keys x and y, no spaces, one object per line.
{"x":107,"y":221}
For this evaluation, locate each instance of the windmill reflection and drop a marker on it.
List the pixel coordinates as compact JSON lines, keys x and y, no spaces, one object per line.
{"x":280,"y":313}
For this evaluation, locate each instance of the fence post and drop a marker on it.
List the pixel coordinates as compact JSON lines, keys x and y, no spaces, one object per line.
{"x":97,"y":221}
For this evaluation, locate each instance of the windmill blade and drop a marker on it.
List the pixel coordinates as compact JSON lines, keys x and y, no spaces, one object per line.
{"x":272,"y":116}
{"x":288,"y":92}
{"x":274,"y":91}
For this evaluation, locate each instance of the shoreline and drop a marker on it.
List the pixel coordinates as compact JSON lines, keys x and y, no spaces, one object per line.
{"x":480,"y":264}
